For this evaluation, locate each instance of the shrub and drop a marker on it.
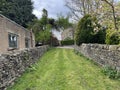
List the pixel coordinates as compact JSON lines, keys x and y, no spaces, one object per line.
{"x":112,"y":37}
{"x":68,"y":38}
{"x":84,"y":30}
{"x":111,"y":72}
{"x":89,"y":31}
{"x":99,"y":37}
{"x":54,"y":41}
{"x":31,"y":69}
{"x":67,"y":42}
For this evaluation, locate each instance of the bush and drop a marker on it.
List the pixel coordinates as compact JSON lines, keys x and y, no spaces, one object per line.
{"x":99,"y":37}
{"x":54,"y":41}
{"x":84,"y":30}
{"x":111,"y":72}
{"x":68,"y":38}
{"x":112,"y":37}
{"x":89,"y":31}
{"x":67,"y":42}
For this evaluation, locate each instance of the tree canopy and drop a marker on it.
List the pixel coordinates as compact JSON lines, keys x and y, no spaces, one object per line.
{"x":63,"y":22}
{"x":89,"y":31}
{"x":42,"y":28}
{"x":107,"y":13}
{"x":84,"y":30}
{"x":19,"y":11}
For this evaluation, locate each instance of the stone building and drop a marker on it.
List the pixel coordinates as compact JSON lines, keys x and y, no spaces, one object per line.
{"x":68,"y":33}
{"x":13,"y":36}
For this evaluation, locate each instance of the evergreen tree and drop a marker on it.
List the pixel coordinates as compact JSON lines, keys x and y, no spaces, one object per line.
{"x":19,"y":11}
{"x":63,"y":22}
{"x":44,"y":19}
{"x":84,"y":30}
{"x":41,"y":28}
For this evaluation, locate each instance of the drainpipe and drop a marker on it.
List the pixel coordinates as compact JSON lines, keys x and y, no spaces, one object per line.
{"x":31,"y":38}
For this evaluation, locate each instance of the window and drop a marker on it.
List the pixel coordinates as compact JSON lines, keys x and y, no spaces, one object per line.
{"x":13,"y":40}
{"x":27,"y":42}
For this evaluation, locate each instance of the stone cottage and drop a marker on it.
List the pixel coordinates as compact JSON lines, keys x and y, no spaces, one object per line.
{"x":13,"y":36}
{"x":68,"y":33}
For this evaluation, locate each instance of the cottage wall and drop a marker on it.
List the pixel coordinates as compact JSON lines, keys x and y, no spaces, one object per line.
{"x":68,"y":33}
{"x":3,"y":34}
{"x":7,"y":26}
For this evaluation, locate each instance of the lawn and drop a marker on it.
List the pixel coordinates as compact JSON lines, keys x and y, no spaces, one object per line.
{"x":62,"y":69}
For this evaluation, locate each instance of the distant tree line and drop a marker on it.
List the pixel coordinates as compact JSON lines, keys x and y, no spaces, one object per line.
{"x":43,"y":27}
{"x":20,"y":11}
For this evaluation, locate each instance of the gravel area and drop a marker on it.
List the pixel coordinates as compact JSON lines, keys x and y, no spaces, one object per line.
{"x":68,"y":47}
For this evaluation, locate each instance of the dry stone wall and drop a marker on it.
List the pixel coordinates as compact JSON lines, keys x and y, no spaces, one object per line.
{"x":102,"y":54}
{"x":12,"y":65}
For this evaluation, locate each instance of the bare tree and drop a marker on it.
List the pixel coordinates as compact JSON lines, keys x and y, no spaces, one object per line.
{"x":111,"y":4}
{"x":82,"y":7}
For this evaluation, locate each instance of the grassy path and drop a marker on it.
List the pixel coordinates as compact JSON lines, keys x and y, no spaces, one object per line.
{"x":61,"y":69}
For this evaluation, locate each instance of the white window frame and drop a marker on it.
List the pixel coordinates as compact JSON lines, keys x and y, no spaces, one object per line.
{"x":13,"y":40}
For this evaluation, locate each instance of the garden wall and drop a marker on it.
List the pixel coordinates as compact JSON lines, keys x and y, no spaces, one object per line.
{"x":101,"y":54}
{"x":12,"y":65}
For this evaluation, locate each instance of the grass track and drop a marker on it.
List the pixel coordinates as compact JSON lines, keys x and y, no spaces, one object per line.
{"x":61,"y":69}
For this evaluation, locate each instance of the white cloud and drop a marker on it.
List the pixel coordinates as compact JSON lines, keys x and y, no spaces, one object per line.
{"x":37,"y":13}
{"x":57,"y":34}
{"x":53,"y":7}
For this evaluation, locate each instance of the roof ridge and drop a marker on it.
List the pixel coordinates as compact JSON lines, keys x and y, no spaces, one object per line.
{"x":14,"y":22}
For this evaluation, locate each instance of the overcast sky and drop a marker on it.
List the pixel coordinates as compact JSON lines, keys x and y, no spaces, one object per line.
{"x":53,"y":7}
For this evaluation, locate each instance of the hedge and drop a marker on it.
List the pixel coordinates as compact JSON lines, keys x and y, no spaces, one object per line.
{"x":67,"y":42}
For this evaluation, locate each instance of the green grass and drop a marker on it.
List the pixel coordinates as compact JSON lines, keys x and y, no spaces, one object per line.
{"x":62,"y":69}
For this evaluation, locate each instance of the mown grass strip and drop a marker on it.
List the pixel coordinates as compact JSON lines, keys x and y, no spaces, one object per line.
{"x":62,"y":69}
